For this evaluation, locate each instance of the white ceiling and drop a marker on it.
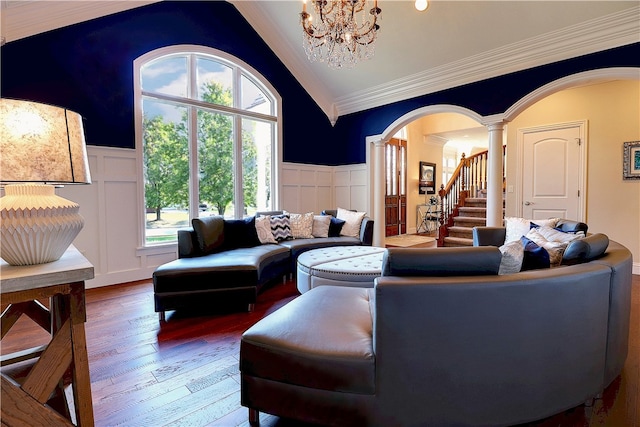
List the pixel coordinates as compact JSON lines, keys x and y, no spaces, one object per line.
{"x":450,"y":44}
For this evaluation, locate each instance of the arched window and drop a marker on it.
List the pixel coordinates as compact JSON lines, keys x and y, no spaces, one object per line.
{"x":207,"y":129}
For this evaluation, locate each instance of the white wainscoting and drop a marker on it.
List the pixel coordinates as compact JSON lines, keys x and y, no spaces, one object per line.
{"x":111,"y":237}
{"x":313,"y":188}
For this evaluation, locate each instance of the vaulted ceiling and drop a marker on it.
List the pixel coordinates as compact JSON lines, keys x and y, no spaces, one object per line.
{"x":450,"y":44}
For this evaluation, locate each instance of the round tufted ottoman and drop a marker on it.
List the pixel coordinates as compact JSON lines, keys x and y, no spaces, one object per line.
{"x":355,"y":266}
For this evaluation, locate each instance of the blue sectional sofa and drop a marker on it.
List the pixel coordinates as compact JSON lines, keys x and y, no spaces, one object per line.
{"x":444,"y":340}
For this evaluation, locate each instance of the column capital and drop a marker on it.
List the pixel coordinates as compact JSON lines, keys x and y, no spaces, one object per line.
{"x":494,"y":122}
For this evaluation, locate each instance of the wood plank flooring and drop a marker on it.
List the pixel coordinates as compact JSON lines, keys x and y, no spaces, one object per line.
{"x":185,"y":371}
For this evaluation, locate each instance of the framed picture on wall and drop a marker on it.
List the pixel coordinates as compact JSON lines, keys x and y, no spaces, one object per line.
{"x":631,"y":160}
{"x":427,"y":181}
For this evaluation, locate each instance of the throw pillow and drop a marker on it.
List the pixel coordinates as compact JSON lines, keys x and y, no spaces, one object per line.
{"x":555,"y":235}
{"x":555,"y":249}
{"x":240,"y":233}
{"x":518,"y":227}
{"x":535,"y":257}
{"x":321,"y":225}
{"x":353,"y":220}
{"x":210,"y":233}
{"x":512,"y":257}
{"x":301,"y":225}
{"x":280,"y":227}
{"x":335,"y":227}
{"x":263,"y":229}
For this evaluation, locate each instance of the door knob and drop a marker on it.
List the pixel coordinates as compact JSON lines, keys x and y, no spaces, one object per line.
{"x":527,"y":203}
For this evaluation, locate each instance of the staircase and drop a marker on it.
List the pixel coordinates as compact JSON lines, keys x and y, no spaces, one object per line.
{"x":463,"y":203}
{"x":472,"y":214}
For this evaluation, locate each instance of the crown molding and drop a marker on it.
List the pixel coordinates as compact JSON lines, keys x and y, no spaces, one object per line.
{"x":610,"y":31}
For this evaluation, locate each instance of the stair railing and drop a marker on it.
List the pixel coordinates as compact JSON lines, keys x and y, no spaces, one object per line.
{"x":468,"y":180}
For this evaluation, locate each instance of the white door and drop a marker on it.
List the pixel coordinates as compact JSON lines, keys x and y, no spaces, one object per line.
{"x":552,"y":173}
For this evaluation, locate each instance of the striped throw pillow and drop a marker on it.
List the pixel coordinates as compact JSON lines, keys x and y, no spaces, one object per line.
{"x":280,"y":227}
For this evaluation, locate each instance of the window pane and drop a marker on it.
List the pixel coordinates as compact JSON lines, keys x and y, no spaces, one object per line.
{"x":216,"y":165}
{"x":215,"y":82}
{"x":254,"y":99}
{"x":167,"y":76}
{"x":166,"y":170}
{"x":256,"y":166}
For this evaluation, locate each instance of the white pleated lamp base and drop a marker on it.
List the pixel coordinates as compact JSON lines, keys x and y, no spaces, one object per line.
{"x":37,"y":225}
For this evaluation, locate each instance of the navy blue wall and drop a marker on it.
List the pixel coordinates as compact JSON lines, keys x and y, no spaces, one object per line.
{"x":88,"y":68}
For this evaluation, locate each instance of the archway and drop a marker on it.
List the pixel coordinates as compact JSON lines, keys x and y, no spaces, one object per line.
{"x":494,"y":122}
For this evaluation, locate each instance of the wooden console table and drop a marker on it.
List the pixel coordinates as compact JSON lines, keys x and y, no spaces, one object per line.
{"x":64,"y":357}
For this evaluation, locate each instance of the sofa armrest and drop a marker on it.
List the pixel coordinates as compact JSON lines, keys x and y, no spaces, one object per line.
{"x":489,"y":236}
{"x":188,"y":244}
{"x":447,"y":261}
{"x":584,"y":250}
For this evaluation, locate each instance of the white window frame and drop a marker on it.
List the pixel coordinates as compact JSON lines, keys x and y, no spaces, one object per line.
{"x":239,"y":67}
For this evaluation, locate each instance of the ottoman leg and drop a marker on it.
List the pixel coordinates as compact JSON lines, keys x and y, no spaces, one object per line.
{"x":254,"y":417}
{"x":162,"y":316}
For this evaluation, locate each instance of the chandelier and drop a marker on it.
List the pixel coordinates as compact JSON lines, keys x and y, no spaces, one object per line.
{"x":341,"y":32}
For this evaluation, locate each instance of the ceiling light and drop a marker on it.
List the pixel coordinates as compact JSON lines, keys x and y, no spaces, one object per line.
{"x":422,"y":5}
{"x":342,"y":32}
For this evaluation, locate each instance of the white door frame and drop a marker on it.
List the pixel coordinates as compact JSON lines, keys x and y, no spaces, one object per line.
{"x":582,"y":126}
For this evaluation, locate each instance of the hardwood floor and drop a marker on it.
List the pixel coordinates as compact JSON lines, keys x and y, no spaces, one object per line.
{"x":185,"y":371}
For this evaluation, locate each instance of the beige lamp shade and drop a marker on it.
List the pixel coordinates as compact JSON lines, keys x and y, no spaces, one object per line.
{"x":41,"y":143}
{"x":40,"y":146}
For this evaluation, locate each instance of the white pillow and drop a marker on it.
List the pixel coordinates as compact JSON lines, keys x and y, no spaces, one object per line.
{"x":263,"y":228}
{"x":353,"y":220}
{"x":554,"y":235}
{"x":321,"y":225}
{"x":301,"y":225}
{"x":555,"y":249}
{"x":518,"y":227}
{"x":512,"y":257}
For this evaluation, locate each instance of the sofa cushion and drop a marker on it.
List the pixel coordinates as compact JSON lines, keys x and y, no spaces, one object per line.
{"x":535,"y":257}
{"x":280,"y":227}
{"x":319,"y":352}
{"x":242,"y":267}
{"x":321,"y":225}
{"x":512,"y":257}
{"x":263,"y":229}
{"x":301,"y":225}
{"x":210,"y":233}
{"x":240,"y":233}
{"x":442,"y":262}
{"x":353,"y":220}
{"x":518,"y":227}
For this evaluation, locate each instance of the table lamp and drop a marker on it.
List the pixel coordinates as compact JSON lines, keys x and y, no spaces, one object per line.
{"x":41,"y":146}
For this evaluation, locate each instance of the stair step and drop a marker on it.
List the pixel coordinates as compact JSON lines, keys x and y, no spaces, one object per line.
{"x":466,"y":211}
{"x":469,"y":221}
{"x":457,"y":241}
{"x":463,"y":232}
{"x":477,"y":202}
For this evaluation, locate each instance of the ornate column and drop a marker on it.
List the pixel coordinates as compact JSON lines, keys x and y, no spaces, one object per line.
{"x":495,"y":174}
{"x":378,"y":193}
